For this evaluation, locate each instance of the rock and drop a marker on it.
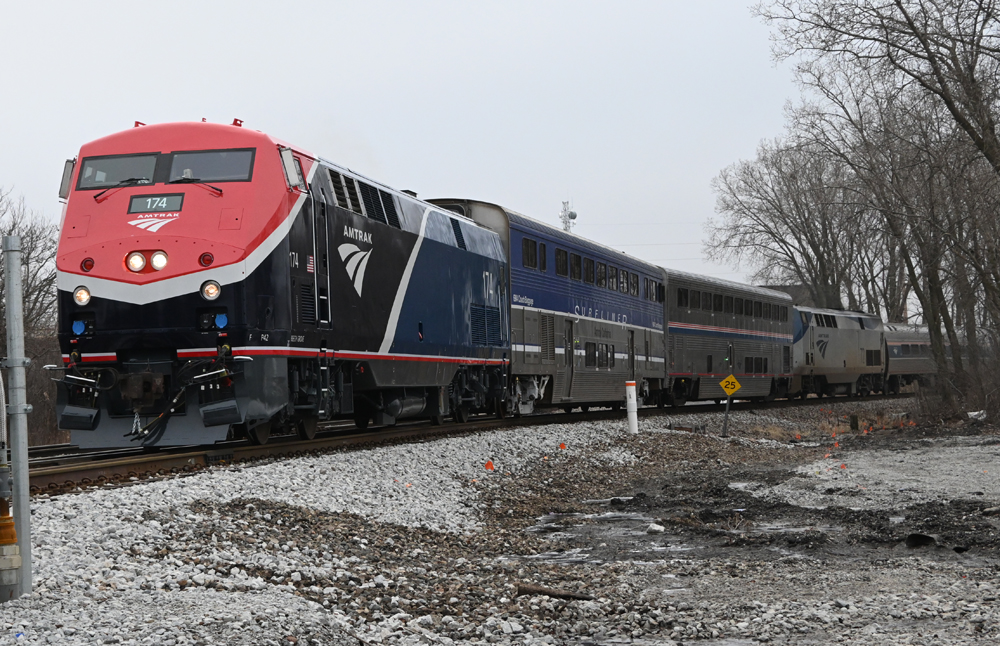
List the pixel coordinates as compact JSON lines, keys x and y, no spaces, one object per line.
{"x":655,"y":529}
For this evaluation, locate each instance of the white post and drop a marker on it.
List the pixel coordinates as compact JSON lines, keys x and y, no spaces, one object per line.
{"x":631,"y":407}
{"x":18,"y":408}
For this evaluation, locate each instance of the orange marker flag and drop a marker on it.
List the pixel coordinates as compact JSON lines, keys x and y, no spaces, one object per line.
{"x":827,"y":455}
{"x":835,"y":434}
{"x":798,"y":437}
{"x":489,"y":465}
{"x":836,"y":445}
{"x":562,"y":445}
{"x":843,"y":466}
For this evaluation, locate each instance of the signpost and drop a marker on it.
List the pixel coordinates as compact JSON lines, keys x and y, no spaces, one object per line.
{"x":730,"y":385}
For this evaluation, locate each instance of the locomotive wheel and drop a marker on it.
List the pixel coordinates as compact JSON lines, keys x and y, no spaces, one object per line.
{"x":567,"y":409}
{"x":307,"y":428}
{"x":501,"y":410}
{"x":585,"y":409}
{"x":260,"y":434}
{"x":461,"y":415}
{"x":437,"y":420}
{"x":617,"y":406}
{"x":361,"y":420}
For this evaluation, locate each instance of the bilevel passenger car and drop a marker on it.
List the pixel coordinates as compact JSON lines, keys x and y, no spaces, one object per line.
{"x":585,"y":318}
{"x":837,"y":352}
{"x":719,"y":328}
{"x":908,"y":356}
{"x":215,"y":282}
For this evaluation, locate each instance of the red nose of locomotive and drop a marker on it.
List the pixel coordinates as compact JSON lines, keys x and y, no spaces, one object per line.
{"x":160,"y":211}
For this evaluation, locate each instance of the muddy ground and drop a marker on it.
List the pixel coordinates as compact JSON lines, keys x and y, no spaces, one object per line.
{"x":809,"y":533}
{"x":795,"y":530}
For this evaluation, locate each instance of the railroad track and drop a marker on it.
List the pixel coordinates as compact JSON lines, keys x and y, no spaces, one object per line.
{"x":63,"y":468}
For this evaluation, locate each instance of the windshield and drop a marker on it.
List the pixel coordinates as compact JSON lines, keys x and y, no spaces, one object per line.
{"x":212,"y":166}
{"x":104,"y":172}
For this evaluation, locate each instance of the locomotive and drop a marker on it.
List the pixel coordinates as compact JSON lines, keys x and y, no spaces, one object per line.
{"x":217,"y":283}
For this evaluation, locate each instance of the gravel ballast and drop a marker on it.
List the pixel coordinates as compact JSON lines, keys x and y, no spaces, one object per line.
{"x":759,"y":538}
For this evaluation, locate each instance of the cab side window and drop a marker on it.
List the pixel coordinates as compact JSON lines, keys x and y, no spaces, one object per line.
{"x":529,"y":253}
{"x":562,"y":262}
{"x":575,"y":267}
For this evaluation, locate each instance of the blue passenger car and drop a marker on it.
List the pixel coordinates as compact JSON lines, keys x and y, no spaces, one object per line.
{"x":585,"y":318}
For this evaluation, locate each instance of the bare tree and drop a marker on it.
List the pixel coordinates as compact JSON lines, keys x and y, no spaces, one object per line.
{"x":791,"y":214}
{"x":949,"y":48}
{"x":39,"y":241}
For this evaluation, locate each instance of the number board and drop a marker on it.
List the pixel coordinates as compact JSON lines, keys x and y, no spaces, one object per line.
{"x":730,"y":385}
{"x":155,"y":203}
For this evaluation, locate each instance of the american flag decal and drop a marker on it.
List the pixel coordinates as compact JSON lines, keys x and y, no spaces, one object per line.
{"x":311,"y":265}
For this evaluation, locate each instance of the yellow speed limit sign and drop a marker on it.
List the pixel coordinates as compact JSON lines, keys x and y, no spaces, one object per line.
{"x":730,"y":385}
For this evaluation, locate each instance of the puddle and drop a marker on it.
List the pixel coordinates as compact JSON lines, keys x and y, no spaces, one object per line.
{"x":559,"y":523}
{"x":793,"y":529}
{"x":552,"y":523}
{"x":605,"y":536}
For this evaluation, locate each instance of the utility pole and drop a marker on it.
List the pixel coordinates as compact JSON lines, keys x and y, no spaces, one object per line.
{"x":18,"y":408}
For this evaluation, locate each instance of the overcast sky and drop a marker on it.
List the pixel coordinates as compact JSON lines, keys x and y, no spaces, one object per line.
{"x":629,"y":109}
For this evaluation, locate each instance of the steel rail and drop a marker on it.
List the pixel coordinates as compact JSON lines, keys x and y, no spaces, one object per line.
{"x":104,"y":467}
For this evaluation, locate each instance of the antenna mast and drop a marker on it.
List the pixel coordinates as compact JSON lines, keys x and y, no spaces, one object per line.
{"x":567,"y":217}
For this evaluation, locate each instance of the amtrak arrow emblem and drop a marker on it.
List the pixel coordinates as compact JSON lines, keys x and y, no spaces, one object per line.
{"x":355,"y":262}
{"x":152,"y":224}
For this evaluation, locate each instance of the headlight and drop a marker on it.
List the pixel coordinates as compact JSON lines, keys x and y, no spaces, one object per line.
{"x":210,"y":290}
{"x":159,"y":260}
{"x":136,"y":261}
{"x":81,"y":295}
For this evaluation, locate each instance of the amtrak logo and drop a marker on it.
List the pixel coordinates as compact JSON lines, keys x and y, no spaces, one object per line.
{"x":355,"y":262}
{"x":154,"y":223}
{"x":822,"y":343}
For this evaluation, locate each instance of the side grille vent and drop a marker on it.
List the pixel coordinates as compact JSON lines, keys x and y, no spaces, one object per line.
{"x":389,"y":205}
{"x":478,"y":317}
{"x":493,"y":326}
{"x":459,"y":237}
{"x":352,"y":192}
{"x":485,"y":325}
{"x":547,"y":332}
{"x":373,"y":205}
{"x":307,"y":305}
{"x":345,"y":193}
